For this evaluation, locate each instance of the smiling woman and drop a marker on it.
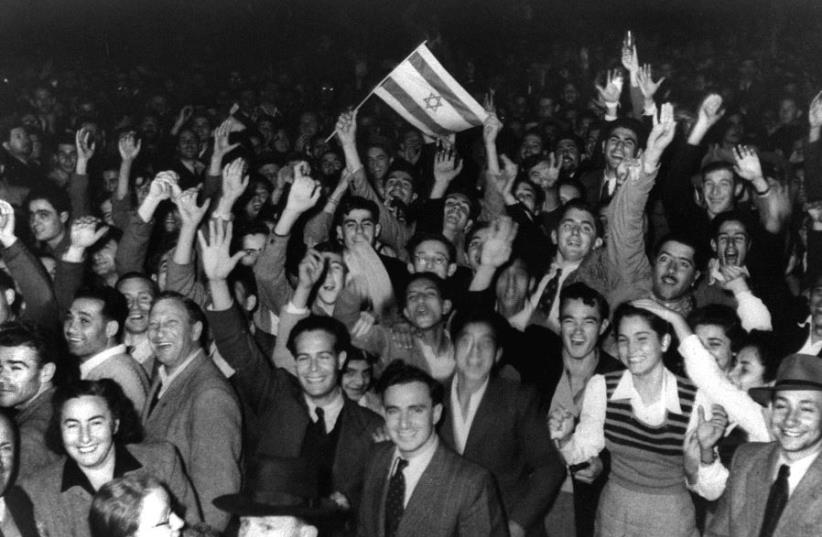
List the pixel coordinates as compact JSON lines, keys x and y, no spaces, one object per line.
{"x":95,"y":425}
{"x":643,"y":416}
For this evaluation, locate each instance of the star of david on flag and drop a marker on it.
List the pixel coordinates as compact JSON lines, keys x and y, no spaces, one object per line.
{"x":427,"y":96}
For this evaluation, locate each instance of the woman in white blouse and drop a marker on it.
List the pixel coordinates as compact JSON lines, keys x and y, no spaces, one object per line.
{"x":645,"y":416}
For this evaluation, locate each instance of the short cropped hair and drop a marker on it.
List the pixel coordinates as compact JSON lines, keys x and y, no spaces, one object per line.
{"x":588,"y":296}
{"x":581,"y":205}
{"x":352,"y":203}
{"x":421,"y":237}
{"x":26,"y":334}
{"x":323,"y":323}
{"x":57,"y":197}
{"x":115,"y":307}
{"x":631,"y":124}
{"x":399,"y":372}
{"x":722,"y":316}
{"x":734,"y":215}
{"x":681,"y":238}
{"x":491,"y":319}
{"x":438,"y":282}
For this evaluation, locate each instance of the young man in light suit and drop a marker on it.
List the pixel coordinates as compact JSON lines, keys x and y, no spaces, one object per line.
{"x":773,"y":488}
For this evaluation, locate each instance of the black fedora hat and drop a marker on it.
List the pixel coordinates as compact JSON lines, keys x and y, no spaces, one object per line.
{"x":796,"y":372}
{"x":280,"y":486}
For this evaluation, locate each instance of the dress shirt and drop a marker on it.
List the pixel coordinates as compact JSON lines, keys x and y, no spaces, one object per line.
{"x":142,"y":351}
{"x":99,"y":358}
{"x":331,"y":411}
{"x":166,"y":379}
{"x":798,"y":470}
{"x":416,"y":465}
{"x":462,"y":423}
{"x":810,"y":347}
{"x":589,"y":437}
{"x":553,"y":315}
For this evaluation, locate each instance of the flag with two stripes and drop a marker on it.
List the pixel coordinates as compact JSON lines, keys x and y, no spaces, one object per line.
{"x":427,"y":96}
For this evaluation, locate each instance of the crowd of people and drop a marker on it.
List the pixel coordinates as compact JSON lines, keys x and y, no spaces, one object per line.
{"x":599,"y":313}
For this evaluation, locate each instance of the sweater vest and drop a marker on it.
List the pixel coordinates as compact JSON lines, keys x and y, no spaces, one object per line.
{"x":644,"y":458}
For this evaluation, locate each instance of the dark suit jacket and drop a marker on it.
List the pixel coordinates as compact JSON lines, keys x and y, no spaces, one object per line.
{"x":509,"y":437}
{"x":280,"y":410}
{"x":20,"y":508}
{"x":453,"y":497}
{"x":742,"y":506}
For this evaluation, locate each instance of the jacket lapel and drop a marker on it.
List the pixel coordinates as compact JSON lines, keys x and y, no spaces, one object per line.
{"x":758,"y":486}
{"x":485,"y":418}
{"x":426,"y":495}
{"x":803,"y":505}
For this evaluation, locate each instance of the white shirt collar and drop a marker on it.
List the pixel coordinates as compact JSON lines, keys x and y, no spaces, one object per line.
{"x":462,"y":423}
{"x":670,"y":394}
{"x":798,"y":469}
{"x":87,"y":366}
{"x":331,"y":411}
{"x":416,"y":465}
{"x":167,"y":379}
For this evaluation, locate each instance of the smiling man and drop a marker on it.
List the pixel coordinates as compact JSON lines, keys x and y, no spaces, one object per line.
{"x":192,"y":405}
{"x":773,"y":488}
{"x":93,"y":329}
{"x":622,"y":141}
{"x":139,"y":291}
{"x":415,"y":485}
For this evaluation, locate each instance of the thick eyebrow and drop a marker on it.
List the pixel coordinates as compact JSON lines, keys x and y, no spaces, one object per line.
{"x":17,"y":362}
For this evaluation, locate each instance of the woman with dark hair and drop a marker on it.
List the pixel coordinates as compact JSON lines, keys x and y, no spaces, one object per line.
{"x":650,"y":420}
{"x":98,"y":430}
{"x":136,"y":505}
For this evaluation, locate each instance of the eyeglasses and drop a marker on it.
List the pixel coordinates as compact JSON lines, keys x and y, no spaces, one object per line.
{"x":428,"y":260}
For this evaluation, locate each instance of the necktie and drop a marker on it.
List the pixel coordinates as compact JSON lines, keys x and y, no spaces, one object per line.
{"x":155,"y":399}
{"x":550,"y":293}
{"x":320,"y":423}
{"x":777,"y":498}
{"x":395,"y":499}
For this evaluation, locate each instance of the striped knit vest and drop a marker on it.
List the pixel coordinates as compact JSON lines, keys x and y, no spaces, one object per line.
{"x":643,"y":458}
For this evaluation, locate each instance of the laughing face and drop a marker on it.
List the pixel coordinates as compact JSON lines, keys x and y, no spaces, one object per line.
{"x":576,"y":235}
{"x":139,"y":295}
{"x":796,"y":422}
{"x":21,"y":375}
{"x":172,"y":334}
{"x":640,"y":347}
{"x":86,"y":331}
{"x":620,"y":145}
{"x":334,"y":278}
{"x":88,"y":427}
{"x":410,"y":416}
{"x":731,"y":243}
{"x":318,"y":364}
{"x":718,"y":191}
{"x":580,"y":328}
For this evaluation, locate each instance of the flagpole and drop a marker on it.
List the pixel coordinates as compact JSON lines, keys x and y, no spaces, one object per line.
{"x":370,"y":93}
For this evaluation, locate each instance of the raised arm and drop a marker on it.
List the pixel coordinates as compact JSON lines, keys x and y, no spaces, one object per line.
{"x":28,"y":273}
{"x":813,"y":153}
{"x":221,"y":148}
{"x":129,"y":147}
{"x":131,"y":253}
{"x":770,"y":199}
{"x":78,"y":185}
{"x":182,"y":276}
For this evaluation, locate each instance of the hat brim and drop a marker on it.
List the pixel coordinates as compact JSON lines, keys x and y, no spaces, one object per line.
{"x":241,"y":505}
{"x":764,"y":394}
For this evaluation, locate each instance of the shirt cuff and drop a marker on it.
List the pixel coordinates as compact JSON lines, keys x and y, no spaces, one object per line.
{"x":294,"y":310}
{"x":711,"y":480}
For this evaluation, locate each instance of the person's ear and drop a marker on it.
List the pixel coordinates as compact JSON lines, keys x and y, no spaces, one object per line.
{"x":597,"y":243}
{"x":498,"y":356}
{"x":341,"y":359}
{"x":47,"y":372}
{"x":437,"y":413}
{"x":377,"y":230}
{"x":6,"y":146}
{"x":604,"y":326}
{"x":738,"y":189}
{"x":116,"y":427}
{"x":532,"y":284}
{"x":713,"y":245}
{"x":64,"y":216}
{"x":554,"y":236}
{"x":340,"y":235}
{"x":452,"y":268}
{"x":250,"y":302}
{"x":196,"y":331}
{"x":10,"y":295}
{"x":308,"y":531}
{"x":665,"y":342}
{"x":446,"y":307}
{"x":411,"y":268}
{"x":697,"y":275}
{"x":112,"y":327}
{"x":406,"y":312}
{"x":414,"y":197}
